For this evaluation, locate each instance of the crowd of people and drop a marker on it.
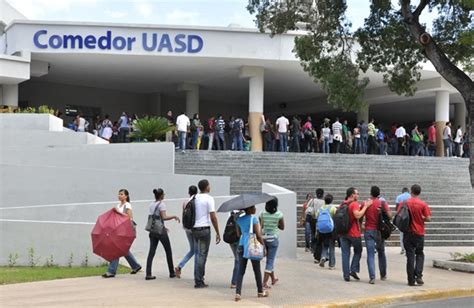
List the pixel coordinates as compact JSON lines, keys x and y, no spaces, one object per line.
{"x":323,"y":228}
{"x":295,"y":135}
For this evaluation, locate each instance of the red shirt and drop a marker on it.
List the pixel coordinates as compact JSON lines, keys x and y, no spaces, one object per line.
{"x":372,"y":214}
{"x":418,"y":210}
{"x":355,"y":229}
{"x":432,"y":133}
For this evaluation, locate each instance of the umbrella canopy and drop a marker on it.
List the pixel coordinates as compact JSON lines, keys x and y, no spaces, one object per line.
{"x":244,"y":201}
{"x":112,"y":235}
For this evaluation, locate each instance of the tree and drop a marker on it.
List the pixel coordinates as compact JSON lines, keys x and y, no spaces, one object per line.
{"x":392,"y":41}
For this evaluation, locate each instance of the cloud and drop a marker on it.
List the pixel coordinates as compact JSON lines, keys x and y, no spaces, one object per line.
{"x":180,"y":17}
{"x":115,"y":14}
{"x":37,"y":9}
{"x":144,"y":8}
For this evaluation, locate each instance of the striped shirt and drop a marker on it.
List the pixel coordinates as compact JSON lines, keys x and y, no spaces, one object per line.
{"x":270,"y":222}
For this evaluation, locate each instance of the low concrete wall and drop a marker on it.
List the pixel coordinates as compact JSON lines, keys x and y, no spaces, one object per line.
{"x":60,"y":230}
{"x":34,"y":121}
{"x":16,"y":138}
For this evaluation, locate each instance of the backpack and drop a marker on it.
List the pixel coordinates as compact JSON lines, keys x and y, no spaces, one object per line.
{"x":342,"y":221}
{"x":380,"y":135}
{"x":403,"y":219}
{"x":237,"y":126}
{"x":325,"y":223}
{"x":230,"y":231}
{"x":189,"y":214}
{"x":383,"y":223}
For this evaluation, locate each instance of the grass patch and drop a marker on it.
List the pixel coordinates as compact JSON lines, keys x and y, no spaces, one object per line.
{"x":463,"y":257}
{"x":18,"y":274}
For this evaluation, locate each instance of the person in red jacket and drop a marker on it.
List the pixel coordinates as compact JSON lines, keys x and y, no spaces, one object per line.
{"x":414,"y":239}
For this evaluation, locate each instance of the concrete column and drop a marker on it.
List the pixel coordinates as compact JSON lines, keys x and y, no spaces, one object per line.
{"x":192,"y":97}
{"x":363,"y":114}
{"x":460,"y":114}
{"x":256,"y":86}
{"x":441,"y":117}
{"x":10,"y":95}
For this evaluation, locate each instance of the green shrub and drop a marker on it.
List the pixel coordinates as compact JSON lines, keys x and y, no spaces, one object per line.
{"x":463,"y":257}
{"x":150,"y":128}
{"x":12,"y":259}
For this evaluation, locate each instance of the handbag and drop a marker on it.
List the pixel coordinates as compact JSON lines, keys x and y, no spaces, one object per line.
{"x":155,"y":224}
{"x":253,"y":249}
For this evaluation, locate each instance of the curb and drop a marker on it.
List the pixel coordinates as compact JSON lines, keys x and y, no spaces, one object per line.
{"x":416,"y":296}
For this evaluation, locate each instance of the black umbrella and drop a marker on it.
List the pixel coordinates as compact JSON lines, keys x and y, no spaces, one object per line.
{"x":244,"y":201}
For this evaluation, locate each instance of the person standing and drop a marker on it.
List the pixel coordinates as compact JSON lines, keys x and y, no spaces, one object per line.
{"x":400,"y":133}
{"x":169,"y":134}
{"x":447,"y":140}
{"x":296,"y":133}
{"x":81,"y":123}
{"x":337,"y":135}
{"x":345,"y":137}
{"x":123,"y":208}
{"x":182,"y":123}
{"x":159,"y":206}
{"x":404,"y":196}
{"x":364,"y":135}
{"x":417,"y":141}
{"x":211,"y":132}
{"x":373,"y":241}
{"x":353,"y":237}
{"x":308,"y":135}
{"x":357,"y":141}
{"x":458,"y":142}
{"x":272,"y":222}
{"x":372,"y":145}
{"x":192,"y":191}
{"x":237,"y":135}
{"x":124,"y":127}
{"x":196,"y":129}
{"x":205,"y":215}
{"x":432,"y":139}
{"x":326,"y":134}
{"x":282,"y":124}
{"x":414,"y":239}
{"x":220,"y":131}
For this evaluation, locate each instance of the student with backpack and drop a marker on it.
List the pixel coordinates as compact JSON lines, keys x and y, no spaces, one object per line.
{"x":373,"y":239}
{"x":231,"y":238}
{"x":347,"y":226}
{"x":414,"y":238}
{"x":325,"y":229}
{"x":192,"y":191}
{"x":271,"y":220}
{"x":316,"y":244}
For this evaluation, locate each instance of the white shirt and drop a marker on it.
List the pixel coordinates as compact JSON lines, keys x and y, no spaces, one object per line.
{"x":204,"y":205}
{"x":400,"y":132}
{"x":121,"y":207}
{"x":161,"y":207}
{"x":182,"y":122}
{"x":82,"y":125}
{"x":282,"y":124}
{"x":447,"y":133}
{"x":458,"y":136}
{"x":337,"y":128}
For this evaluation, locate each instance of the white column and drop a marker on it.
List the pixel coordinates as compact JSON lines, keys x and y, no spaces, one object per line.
{"x":460,"y":114}
{"x":441,"y":117}
{"x":256,"y":87}
{"x":363,"y":114}
{"x":10,"y":95}
{"x":192,"y":97}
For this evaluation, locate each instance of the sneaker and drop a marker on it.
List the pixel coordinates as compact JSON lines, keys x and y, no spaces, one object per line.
{"x":411,"y":284}
{"x":172,"y":275}
{"x":150,"y":277}
{"x":108,"y":275}
{"x":201,"y":286}
{"x":354,"y":275}
{"x":177,"y":270}
{"x":383,"y":278}
{"x":347,"y":279}
{"x":263,"y":294}
{"x":316,"y":261}
{"x":372,"y":281}
{"x":332,"y":267}
{"x":420,"y":281}
{"x":133,"y":272}
{"x":402,"y":252}
{"x":321,"y":264}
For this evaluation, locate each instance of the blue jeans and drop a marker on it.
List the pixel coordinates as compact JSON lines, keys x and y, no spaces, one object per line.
{"x":307,"y":233}
{"x":272,"y":248}
{"x":115,"y":263}
{"x":238,"y":141}
{"x":194,"y":136}
{"x":357,"y":146}
{"x":220,"y":138}
{"x":328,"y":249}
{"x":235,"y":272}
{"x":326,"y":145}
{"x":190,"y":254}
{"x":364,"y":139}
{"x":401,"y":241}
{"x":182,"y":140}
{"x":283,"y":142}
{"x":202,"y":240}
{"x":346,"y":243}
{"x":372,"y":243}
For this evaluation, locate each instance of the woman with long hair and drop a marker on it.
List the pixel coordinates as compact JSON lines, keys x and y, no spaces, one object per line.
{"x":123,"y":208}
{"x":163,"y":238}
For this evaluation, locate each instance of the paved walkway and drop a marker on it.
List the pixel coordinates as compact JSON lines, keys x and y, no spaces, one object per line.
{"x":301,"y":283}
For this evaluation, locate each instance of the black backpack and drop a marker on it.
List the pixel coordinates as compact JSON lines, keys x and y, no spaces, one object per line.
{"x":342,"y":221}
{"x":189,"y":214}
{"x":403,"y":219}
{"x":230,"y":231}
{"x":384,"y":225}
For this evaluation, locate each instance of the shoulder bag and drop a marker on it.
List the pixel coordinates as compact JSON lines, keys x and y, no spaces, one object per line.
{"x":155,"y":224}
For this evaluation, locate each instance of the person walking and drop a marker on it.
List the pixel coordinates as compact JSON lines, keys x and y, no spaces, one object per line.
{"x":373,"y":240}
{"x":325,"y":229}
{"x":159,"y":206}
{"x":353,"y":237}
{"x":271,"y":220}
{"x":205,"y":214}
{"x":414,"y":239}
{"x":316,"y":244}
{"x":243,"y":231}
{"x":192,"y":191}
{"x":305,"y":221}
{"x":124,"y":208}
{"x":196,"y":129}
{"x":182,"y":123}
{"x":231,"y":227}
{"x":282,"y":124}
{"x":404,"y":196}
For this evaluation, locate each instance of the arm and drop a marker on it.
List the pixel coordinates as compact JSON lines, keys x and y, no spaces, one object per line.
{"x":215,"y":224}
{"x":388,"y":211}
{"x":164,"y":217}
{"x":127,"y":212}
{"x":258,"y":233}
{"x":281,"y":224}
{"x":359,"y":213}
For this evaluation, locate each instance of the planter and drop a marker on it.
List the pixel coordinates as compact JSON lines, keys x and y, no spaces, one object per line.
{"x":454,"y":266}
{"x":35,"y":121}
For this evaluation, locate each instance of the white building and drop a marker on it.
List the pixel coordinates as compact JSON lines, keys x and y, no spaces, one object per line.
{"x":150,"y":69}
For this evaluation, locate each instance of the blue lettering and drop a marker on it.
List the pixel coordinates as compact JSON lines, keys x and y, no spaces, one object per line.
{"x":199,"y":41}
{"x":90,"y":41}
{"x":73,"y":39}
{"x":165,"y":42}
{"x":55,"y":42}
{"x":130,"y":41}
{"x":179,"y":41}
{"x":119,"y":43}
{"x":153,"y":44}
{"x":104,"y":42}
{"x":36,"y":39}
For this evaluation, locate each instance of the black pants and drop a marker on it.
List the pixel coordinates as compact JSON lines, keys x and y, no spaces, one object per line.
{"x":164,"y":239}
{"x":256,"y":270}
{"x":415,"y":257}
{"x":317,"y":247}
{"x":372,"y":145}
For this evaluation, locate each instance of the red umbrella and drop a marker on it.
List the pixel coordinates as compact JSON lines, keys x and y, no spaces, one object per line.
{"x":112,"y":235}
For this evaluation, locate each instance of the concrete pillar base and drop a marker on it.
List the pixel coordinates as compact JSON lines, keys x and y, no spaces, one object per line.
{"x":10,"y":95}
{"x":255,"y":119}
{"x":440,"y":125}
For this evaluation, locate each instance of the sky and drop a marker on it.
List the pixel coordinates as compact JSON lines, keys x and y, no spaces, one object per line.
{"x":218,"y":13}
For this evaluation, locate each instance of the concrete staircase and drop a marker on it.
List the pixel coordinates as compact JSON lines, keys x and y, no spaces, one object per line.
{"x":445,"y":182}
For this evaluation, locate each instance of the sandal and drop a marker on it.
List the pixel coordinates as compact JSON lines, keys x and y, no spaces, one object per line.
{"x":177,"y":271}
{"x":266,"y":286}
{"x":274,"y":282}
{"x":237,"y":297}
{"x":263,"y":294}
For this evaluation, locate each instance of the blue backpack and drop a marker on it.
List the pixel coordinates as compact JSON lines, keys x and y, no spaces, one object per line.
{"x":325,"y":223}
{"x":380,"y":135}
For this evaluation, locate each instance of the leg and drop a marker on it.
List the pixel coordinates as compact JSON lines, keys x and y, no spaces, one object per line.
{"x":203,"y":241}
{"x":151,"y":254}
{"x":307,"y":234}
{"x":165,"y":240}
{"x":370,"y":246}
{"x":410,"y":253}
{"x":272,"y":248}
{"x":346,"y":254}
{"x":132,"y":261}
{"x":190,"y":253}
{"x":420,"y":257}
{"x":235,"y":272}
{"x":355,"y":264}
{"x":382,"y":258}
{"x":401,"y":243}
{"x":258,"y":275}
{"x":242,"y":267}
{"x":112,"y":270}
{"x":332,"y":254}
